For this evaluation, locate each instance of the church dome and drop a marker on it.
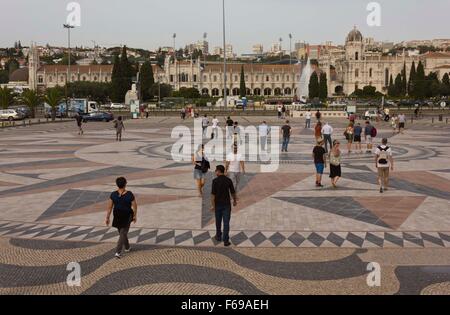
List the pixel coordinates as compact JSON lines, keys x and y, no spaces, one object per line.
{"x":20,"y":75}
{"x":354,"y":36}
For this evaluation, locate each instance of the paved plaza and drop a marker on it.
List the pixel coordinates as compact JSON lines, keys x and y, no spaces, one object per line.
{"x":288,"y":237}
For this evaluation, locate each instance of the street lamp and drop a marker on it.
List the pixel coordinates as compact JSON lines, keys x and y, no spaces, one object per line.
{"x":281,"y":49}
{"x":174,"y":36}
{"x":290,"y":48}
{"x":224,"y":58}
{"x":68,"y":27}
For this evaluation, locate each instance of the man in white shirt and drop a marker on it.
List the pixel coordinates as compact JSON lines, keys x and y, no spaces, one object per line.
{"x":327,"y":131}
{"x":401,"y":122}
{"x":308,"y":119}
{"x":215,"y":125}
{"x":234,"y":166}
{"x":263,"y":133}
{"x":383,"y":162}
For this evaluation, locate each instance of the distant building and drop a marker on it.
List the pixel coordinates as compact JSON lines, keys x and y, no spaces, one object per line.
{"x":258,"y":49}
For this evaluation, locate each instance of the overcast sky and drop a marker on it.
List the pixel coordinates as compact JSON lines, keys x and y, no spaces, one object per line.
{"x":150,"y":23}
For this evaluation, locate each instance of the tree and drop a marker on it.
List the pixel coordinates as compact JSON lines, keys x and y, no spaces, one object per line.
{"x":391,"y":87}
{"x":4,"y":76}
{"x":404,"y":81}
{"x":6,"y":97}
{"x":53,"y":98}
{"x":419,"y":82}
{"x":189,"y":93}
{"x":412,"y":78}
{"x":432,"y":85}
{"x":166,"y":90}
{"x":323,"y":86}
{"x":12,"y":65}
{"x":242,"y":88}
{"x":32,"y":99}
{"x":116,"y":81}
{"x":147,"y":81}
{"x":65,"y":60}
{"x":96,"y":91}
{"x":445,"y":85}
{"x":398,"y":85}
{"x":314,"y":85}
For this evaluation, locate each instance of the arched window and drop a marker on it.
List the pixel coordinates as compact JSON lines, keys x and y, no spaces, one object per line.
{"x":215,"y":78}
{"x":95,"y":79}
{"x":386,"y":77}
{"x":287,"y":91}
{"x":257,"y":91}
{"x":277,"y":91}
{"x":236,"y":78}
{"x":84,"y":78}
{"x":370,"y":72}
{"x":267,"y":92}
{"x":356,"y":73}
{"x":50,"y":79}
{"x":215,"y":92}
{"x":287,"y":78}
{"x":356,"y":55}
{"x":61,"y":79}
{"x":205,"y":78}
{"x":235,"y":91}
{"x":267,"y":78}
{"x":40,"y":79}
{"x":205,"y":92}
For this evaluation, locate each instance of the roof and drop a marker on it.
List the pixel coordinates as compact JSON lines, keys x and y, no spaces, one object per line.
{"x":20,"y":75}
{"x":437,"y":55}
{"x":354,"y":36}
{"x":236,"y":67}
{"x":77,"y":68}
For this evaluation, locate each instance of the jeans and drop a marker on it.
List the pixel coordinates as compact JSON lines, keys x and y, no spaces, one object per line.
{"x":204,"y":130}
{"x":327,"y":139}
{"x":308,"y":124}
{"x":235,"y":178}
{"x":123,"y":239}
{"x":285,"y":144}
{"x":223,"y":212}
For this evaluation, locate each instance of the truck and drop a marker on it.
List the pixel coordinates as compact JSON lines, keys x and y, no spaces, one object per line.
{"x":80,"y":106}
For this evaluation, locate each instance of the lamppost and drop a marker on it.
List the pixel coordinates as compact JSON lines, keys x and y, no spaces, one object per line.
{"x":68,"y":79}
{"x":290,"y":48}
{"x":281,"y":49}
{"x":224,"y":58}
{"x":159,"y":90}
{"x":175,"y":59}
{"x":205,"y":36}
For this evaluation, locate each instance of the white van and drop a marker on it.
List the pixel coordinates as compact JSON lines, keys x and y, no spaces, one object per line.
{"x":10,"y":114}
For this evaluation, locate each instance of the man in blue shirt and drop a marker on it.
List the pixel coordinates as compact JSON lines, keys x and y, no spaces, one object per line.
{"x":357,"y":131}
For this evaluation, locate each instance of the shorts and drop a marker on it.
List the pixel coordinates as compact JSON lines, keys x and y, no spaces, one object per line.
{"x":383,"y":172}
{"x":358,"y":138}
{"x":369,"y":140}
{"x":401,"y":125}
{"x":198,"y":174}
{"x":319,"y":168}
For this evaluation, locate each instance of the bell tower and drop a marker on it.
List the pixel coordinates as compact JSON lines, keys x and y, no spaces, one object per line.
{"x":33,"y":66}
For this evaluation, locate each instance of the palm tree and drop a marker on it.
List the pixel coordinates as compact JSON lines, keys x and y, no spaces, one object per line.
{"x":6,"y":97}
{"x":53,"y":98}
{"x":32,"y":99}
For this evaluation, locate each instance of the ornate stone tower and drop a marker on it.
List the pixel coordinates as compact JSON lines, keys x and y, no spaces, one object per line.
{"x":354,"y":46}
{"x":33,"y":66}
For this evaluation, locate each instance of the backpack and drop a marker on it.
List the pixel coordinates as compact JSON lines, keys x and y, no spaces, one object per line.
{"x":205,"y":166}
{"x":374,"y":132}
{"x":383,"y":158}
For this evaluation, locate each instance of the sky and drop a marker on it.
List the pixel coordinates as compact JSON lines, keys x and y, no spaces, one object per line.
{"x":150,"y":24}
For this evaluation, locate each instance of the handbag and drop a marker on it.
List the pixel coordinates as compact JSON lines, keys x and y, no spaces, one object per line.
{"x":205,"y":166}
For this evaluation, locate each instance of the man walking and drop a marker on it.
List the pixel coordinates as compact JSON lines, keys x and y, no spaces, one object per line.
{"x":205,"y":123}
{"x":368,"y":136}
{"x":118,"y":124}
{"x":327,"y":131}
{"x":234,"y":166}
{"x":222,"y":187}
{"x":263,"y":133}
{"x":319,"y":156}
{"x":286,"y":133}
{"x":215,"y":125}
{"x":401,"y":123}
{"x":383,"y":162}
{"x":229,"y":124}
{"x":308,"y":119}
{"x":79,"y":120}
{"x":357,"y":131}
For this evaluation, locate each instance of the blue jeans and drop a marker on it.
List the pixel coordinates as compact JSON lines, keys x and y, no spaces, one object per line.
{"x":327,"y":139}
{"x":223,"y":212}
{"x":285,"y":144}
{"x":308,"y":123}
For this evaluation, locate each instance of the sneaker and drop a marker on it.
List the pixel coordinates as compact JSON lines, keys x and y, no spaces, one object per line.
{"x":118,"y":256}
{"x":128,"y":250}
{"x":227,"y":243}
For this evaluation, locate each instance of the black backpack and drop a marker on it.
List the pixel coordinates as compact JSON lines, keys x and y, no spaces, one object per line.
{"x":205,"y":166}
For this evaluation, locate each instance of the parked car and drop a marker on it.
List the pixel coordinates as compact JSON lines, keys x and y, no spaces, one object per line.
{"x":23,"y":109}
{"x":370,"y":115}
{"x":11,"y":114}
{"x":98,"y":116}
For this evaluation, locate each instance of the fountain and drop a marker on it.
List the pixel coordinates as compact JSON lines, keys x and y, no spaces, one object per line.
{"x":303,"y":86}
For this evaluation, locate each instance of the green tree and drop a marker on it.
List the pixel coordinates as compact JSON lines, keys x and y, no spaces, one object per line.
{"x":323,"y":86}
{"x":12,"y":65}
{"x":391,"y":87}
{"x":420,"y":83}
{"x":190,"y":93}
{"x":398,"y":85}
{"x":53,"y":97}
{"x":412,"y":78}
{"x":116,"y":81}
{"x":432,"y":85}
{"x":242,"y":88}
{"x":4,"y":76}
{"x":147,"y":80}
{"x":96,"y":91}
{"x":445,"y":85}
{"x":6,"y":97}
{"x":32,"y":99}
{"x":314,"y":85}
{"x":65,"y":59}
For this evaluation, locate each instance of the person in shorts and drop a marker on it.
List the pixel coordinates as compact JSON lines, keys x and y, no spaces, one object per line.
{"x":401,"y":123}
{"x":383,"y":162}
{"x":368,"y":136}
{"x":357,"y":132}
{"x":319,"y":156}
{"x":201,"y":166}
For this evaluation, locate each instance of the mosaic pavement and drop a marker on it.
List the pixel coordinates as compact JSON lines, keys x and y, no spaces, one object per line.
{"x":55,"y":184}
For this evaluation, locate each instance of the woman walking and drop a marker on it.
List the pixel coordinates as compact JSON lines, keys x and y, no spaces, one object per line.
{"x":349,"y":135}
{"x":318,"y":130}
{"x":123,"y":205}
{"x":335,"y":163}
{"x":201,"y":167}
